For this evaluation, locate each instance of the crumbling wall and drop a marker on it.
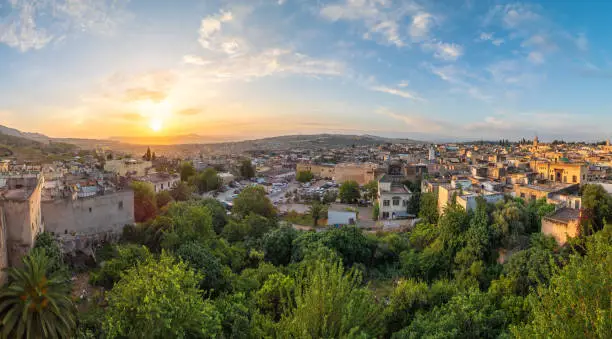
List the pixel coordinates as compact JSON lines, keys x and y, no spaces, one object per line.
{"x":89,"y":216}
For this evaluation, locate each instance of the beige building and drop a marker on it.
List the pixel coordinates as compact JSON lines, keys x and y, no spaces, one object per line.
{"x":361,"y":173}
{"x":319,"y":171}
{"x":535,"y":192}
{"x":562,"y":225}
{"x":560,"y":172}
{"x":123,"y":167}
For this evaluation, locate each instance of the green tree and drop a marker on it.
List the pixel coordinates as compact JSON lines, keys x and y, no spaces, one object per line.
{"x":428,"y":210}
{"x":597,"y":208}
{"x":246,"y":169}
{"x":218,"y":213}
{"x":275,"y":295}
{"x":46,"y":242}
{"x":181,"y":191}
{"x":207,"y":180}
{"x":317,"y":211}
{"x":163,"y":198}
{"x":187,"y":171}
{"x":36,"y":303}
{"x":278,"y":245}
{"x":124,"y":257}
{"x":330,"y":303}
{"x":466,"y":315}
{"x":304,"y":176}
{"x":253,"y":199}
{"x":199,"y":258}
{"x":330,"y":196}
{"x":371,"y":190}
{"x":160,"y":299}
{"x":376,"y":211}
{"x":414,"y":204}
{"x":190,"y":221}
{"x":145,"y":202}
{"x":349,"y":192}
{"x":577,"y":302}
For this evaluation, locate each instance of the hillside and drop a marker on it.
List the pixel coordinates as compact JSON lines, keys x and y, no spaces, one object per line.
{"x":25,"y":149}
{"x":26,"y":135}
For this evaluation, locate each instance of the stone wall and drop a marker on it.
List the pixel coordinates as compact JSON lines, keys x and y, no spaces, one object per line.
{"x":3,"y":248}
{"x":24,"y":221}
{"x":100,"y":214}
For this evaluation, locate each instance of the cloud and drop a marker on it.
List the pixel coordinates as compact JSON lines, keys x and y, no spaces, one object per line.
{"x":582,"y":42}
{"x":195,"y":60}
{"x":382,"y":19}
{"x":484,"y":36}
{"x":536,"y":57}
{"x":142,"y":94}
{"x":421,"y":25}
{"x":416,"y":122}
{"x":402,"y":93}
{"x":445,"y":51}
{"x":233,"y":56}
{"x":190,"y":111}
{"x":462,"y":80}
{"x":31,"y":24}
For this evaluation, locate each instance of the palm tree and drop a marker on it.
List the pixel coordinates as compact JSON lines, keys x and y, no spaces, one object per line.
{"x":35,"y":304}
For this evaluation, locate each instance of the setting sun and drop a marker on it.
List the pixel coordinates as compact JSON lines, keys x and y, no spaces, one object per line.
{"x":156,"y":124}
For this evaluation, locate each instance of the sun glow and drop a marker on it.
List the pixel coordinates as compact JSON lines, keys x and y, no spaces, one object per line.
{"x":156,"y":124}
{"x":157,"y":112}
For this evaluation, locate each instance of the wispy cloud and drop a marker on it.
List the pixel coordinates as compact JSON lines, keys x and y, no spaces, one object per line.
{"x":399,"y":92}
{"x":445,"y":51}
{"x":32,"y":24}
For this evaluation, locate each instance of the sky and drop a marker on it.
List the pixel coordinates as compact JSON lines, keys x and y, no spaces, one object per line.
{"x":241,"y":69}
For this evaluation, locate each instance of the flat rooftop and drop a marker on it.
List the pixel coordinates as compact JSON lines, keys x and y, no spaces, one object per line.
{"x":17,"y":194}
{"x":549,"y":187}
{"x":564,"y":215}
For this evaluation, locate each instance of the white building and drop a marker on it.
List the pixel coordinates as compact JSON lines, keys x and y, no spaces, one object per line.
{"x":393,"y":199}
{"x":227,"y":178}
{"x":432,"y":154}
{"x":161,"y":181}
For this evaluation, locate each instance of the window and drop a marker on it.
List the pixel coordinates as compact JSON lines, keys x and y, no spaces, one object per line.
{"x":404,"y":203}
{"x":564,"y":178}
{"x":552,"y":177}
{"x":120,"y":205}
{"x":523,"y":195}
{"x":396,"y":202}
{"x":385,"y":202}
{"x":532,"y":197}
{"x":385,"y":215}
{"x":162,"y":186}
{"x":574,"y":179}
{"x":90,"y":210}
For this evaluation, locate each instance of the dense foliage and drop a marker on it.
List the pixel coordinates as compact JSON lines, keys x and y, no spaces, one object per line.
{"x":193,"y":271}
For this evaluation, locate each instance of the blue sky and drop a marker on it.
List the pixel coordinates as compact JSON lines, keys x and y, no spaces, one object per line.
{"x":242,"y":69}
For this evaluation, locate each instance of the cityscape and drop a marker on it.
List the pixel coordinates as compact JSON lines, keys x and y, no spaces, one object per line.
{"x":297,"y":169}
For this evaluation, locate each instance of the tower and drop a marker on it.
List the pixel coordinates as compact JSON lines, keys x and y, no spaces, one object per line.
{"x":432,"y":154}
{"x":535,"y":142}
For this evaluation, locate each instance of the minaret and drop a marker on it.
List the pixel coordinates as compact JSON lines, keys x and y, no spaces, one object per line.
{"x":535,"y":142}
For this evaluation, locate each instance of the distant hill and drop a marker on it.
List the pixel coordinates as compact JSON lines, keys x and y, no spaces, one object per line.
{"x":16,"y":146}
{"x":17,"y":133}
{"x":168,"y":140}
{"x":195,"y":141}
